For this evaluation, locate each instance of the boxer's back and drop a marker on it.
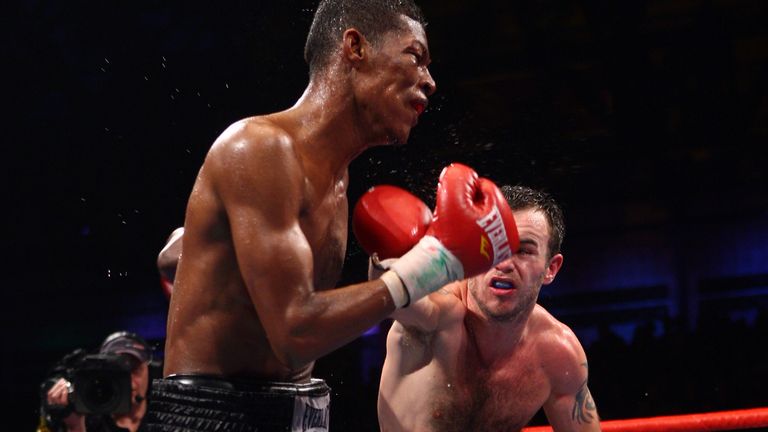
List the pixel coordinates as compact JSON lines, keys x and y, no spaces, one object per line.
{"x":213,"y":326}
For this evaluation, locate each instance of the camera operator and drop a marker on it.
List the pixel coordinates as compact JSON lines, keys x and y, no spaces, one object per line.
{"x":58,"y":410}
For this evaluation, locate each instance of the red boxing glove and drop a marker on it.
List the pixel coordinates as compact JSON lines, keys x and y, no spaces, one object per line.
{"x":473,"y":220}
{"x":388,"y":221}
{"x":472,"y":230}
{"x":167,"y":286}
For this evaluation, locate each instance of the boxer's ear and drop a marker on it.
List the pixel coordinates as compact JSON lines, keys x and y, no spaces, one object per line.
{"x":554,"y":266}
{"x":354,"y":46}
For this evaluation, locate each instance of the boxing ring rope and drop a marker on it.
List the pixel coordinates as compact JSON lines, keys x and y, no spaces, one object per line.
{"x":712,"y":421}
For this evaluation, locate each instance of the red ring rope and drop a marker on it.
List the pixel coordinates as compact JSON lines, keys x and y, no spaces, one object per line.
{"x":712,"y":421}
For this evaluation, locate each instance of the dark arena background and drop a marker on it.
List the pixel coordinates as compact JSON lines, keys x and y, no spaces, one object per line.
{"x":647,"y":120}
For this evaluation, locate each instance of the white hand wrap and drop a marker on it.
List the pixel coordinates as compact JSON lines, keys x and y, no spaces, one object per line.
{"x":380,"y":270}
{"x":396,"y":289}
{"x":425,"y":268}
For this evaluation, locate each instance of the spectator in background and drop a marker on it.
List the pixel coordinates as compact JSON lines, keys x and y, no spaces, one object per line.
{"x":58,"y":413}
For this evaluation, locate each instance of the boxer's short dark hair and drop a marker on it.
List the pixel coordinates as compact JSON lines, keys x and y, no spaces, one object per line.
{"x":372,"y":18}
{"x":523,"y":197}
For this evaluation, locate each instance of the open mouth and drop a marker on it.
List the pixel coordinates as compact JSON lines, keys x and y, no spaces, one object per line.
{"x":501,"y":284}
{"x":419,"y":106}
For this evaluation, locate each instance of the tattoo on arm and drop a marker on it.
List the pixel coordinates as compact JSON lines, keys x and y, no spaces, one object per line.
{"x":584,"y":410}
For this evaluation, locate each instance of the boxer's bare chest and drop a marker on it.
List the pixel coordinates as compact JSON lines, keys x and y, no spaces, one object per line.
{"x":503,"y":396}
{"x":324,"y":223}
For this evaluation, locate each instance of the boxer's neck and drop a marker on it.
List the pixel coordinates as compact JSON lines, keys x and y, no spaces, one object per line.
{"x":493,"y":338}
{"x":325,"y":127}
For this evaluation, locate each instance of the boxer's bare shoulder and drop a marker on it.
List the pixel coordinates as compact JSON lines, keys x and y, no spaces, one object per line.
{"x":257,"y":153}
{"x":254,"y":140}
{"x":561,"y":352}
{"x":450,"y":303}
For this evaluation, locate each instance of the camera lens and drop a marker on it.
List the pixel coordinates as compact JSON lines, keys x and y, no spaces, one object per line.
{"x":100,"y":392}
{"x":102,"y":385}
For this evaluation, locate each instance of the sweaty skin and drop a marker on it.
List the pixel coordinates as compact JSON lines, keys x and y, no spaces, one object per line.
{"x":472,"y":358}
{"x":265,"y":231}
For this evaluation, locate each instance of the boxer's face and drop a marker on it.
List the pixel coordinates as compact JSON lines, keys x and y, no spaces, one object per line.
{"x":513,"y":286}
{"x":394,"y":88}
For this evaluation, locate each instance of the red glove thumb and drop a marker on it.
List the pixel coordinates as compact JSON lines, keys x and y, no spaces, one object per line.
{"x":388,"y":221}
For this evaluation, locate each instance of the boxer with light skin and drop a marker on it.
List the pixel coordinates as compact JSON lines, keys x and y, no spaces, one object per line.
{"x":480,"y":354}
{"x":265,"y":231}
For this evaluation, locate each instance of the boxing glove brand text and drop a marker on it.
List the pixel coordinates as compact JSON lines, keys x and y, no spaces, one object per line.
{"x":494,"y":229}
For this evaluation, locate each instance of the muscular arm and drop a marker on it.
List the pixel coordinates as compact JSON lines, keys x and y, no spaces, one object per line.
{"x":574,"y":412}
{"x":423,"y":315}
{"x":570,"y":407}
{"x":430,"y":313}
{"x":260,"y":182}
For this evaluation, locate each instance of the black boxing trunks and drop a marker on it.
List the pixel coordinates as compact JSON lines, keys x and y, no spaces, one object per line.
{"x":209,"y":403}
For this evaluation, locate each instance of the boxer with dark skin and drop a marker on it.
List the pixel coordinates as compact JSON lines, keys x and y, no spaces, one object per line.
{"x":265,"y":230}
{"x":265,"y":233}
